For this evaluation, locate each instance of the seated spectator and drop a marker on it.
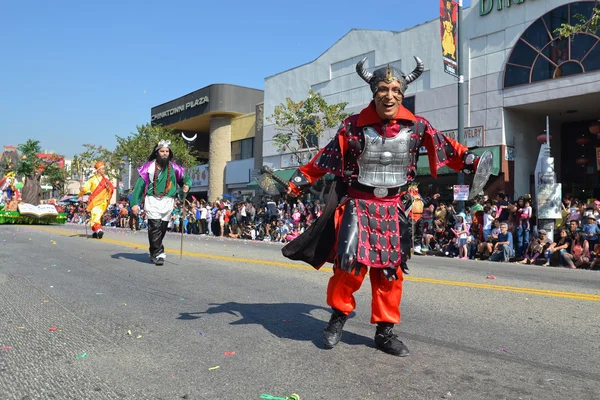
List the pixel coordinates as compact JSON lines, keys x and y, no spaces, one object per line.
{"x":536,"y":247}
{"x":503,"y":249}
{"x":579,"y":254}
{"x":434,"y":234}
{"x":235,"y":231}
{"x":472,"y":245}
{"x":554,"y":253}
{"x":486,"y":248}
{"x":292,"y":235}
{"x":450,"y":248}
{"x":591,"y":231}
{"x":248,"y":232}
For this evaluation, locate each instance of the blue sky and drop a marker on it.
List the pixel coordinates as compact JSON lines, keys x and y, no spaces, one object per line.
{"x":75,"y":72}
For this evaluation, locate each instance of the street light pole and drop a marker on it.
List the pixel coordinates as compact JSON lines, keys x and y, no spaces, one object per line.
{"x":461,"y":96}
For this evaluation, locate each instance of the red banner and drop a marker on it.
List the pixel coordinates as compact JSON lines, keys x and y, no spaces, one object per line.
{"x":448,"y":35}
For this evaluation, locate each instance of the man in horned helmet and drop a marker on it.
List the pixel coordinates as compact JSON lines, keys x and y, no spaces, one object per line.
{"x":101,"y":189}
{"x":157,"y":186}
{"x":364,"y":225}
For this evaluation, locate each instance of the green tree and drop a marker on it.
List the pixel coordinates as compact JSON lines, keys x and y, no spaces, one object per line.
{"x":585,"y":24}
{"x":58,"y":178}
{"x":138,"y":146}
{"x":33,"y":168}
{"x":301,"y":125}
{"x":83,"y":163}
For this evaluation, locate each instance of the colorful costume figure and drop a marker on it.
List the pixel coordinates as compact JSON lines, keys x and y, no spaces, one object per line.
{"x":7,"y":186}
{"x":364,"y":225}
{"x":101,"y":189}
{"x":157,"y":186}
{"x":416,"y":206}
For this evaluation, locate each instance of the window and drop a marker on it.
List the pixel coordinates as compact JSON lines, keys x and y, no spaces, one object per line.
{"x":540,"y":54}
{"x":311,"y":137}
{"x":242,"y":149}
{"x":348,"y":66}
{"x":409,"y":103}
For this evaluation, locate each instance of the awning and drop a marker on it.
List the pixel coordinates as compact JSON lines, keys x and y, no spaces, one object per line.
{"x":423,"y":163}
{"x":284,"y":174}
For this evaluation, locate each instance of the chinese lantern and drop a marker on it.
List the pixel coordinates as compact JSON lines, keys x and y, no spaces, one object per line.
{"x":582,"y":141}
{"x":582,"y":161}
{"x":595,"y":128}
{"x":542,"y":138}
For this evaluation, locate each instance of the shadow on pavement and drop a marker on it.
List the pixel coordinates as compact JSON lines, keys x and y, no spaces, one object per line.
{"x":143,"y":258}
{"x":184,"y":316}
{"x":284,"y":320}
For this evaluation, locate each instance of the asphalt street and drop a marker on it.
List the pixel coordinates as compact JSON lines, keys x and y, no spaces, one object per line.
{"x":82,"y":318}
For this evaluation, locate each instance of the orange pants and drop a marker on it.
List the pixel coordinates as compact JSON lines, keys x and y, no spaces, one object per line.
{"x":386,"y":295}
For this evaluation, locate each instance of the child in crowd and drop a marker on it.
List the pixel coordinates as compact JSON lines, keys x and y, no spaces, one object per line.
{"x":461,"y":230}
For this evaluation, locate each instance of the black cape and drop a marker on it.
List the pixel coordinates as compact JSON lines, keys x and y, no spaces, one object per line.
{"x":316,"y":243}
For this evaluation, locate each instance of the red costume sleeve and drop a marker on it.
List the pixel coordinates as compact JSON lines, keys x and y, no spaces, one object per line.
{"x":328,"y":159}
{"x":443,"y":151}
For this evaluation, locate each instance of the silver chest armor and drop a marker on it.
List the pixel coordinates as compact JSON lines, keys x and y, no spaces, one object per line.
{"x":384,"y":163}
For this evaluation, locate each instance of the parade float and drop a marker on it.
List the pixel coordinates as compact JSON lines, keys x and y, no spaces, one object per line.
{"x":13,"y":210}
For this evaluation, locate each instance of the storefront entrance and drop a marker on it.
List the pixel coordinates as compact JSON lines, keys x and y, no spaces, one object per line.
{"x":579,"y":161}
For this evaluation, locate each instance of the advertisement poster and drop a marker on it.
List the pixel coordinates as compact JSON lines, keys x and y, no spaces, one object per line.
{"x":199,"y":175}
{"x":448,"y":35}
{"x":549,"y":197}
{"x":461,"y":192}
{"x":597,"y":158}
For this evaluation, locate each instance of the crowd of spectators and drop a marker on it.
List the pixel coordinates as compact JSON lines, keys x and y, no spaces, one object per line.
{"x":270,"y":220}
{"x":503,"y":231}
{"x":488,"y":229}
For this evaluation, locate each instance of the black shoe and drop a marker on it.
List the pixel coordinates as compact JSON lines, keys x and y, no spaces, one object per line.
{"x":333,"y":332}
{"x":158,"y":261}
{"x":95,"y":235}
{"x":100,"y":234}
{"x":386,"y":341}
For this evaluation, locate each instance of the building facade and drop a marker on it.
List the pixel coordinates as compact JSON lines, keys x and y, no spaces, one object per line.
{"x":517,"y":71}
{"x":222,"y":119}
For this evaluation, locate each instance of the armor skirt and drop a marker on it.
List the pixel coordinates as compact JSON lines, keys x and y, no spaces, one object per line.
{"x":373,"y":232}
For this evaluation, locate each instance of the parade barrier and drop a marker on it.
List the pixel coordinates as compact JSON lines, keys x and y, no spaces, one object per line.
{"x":28,"y":214}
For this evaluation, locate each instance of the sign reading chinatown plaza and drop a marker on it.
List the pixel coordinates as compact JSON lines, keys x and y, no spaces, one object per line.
{"x":190,"y":104}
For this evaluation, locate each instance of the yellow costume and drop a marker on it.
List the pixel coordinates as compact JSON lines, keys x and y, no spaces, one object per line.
{"x":448,"y":45}
{"x":101,"y":191}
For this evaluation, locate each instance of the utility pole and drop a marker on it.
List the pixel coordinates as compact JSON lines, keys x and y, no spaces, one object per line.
{"x":461,"y":96}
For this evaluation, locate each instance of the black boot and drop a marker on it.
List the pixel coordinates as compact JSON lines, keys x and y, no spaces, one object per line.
{"x":333,"y":332}
{"x":386,"y":341}
{"x":158,"y":261}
